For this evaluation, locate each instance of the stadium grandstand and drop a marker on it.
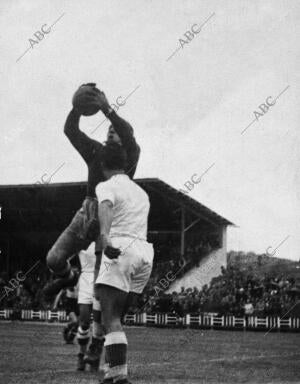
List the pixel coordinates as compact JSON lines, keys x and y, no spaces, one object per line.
{"x":190,"y":274}
{"x":181,"y":229}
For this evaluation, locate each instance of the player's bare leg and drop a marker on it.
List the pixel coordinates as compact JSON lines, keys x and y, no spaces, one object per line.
{"x":93,"y":355}
{"x":70,"y":330}
{"x":113,"y":302}
{"x":83,"y":333}
{"x":77,"y":236}
{"x":131,"y":301}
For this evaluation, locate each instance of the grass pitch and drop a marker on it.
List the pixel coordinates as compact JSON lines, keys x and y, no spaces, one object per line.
{"x":32,"y":353}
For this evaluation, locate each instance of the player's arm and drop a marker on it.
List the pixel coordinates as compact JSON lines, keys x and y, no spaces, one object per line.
{"x":81,"y":142}
{"x":125,"y":132}
{"x":98,"y":254}
{"x":57,"y":300}
{"x":106,"y":200}
{"x":97,"y":268}
{"x":105,"y":220}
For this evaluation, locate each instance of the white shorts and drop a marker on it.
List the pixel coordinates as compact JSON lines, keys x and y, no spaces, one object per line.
{"x":132,"y":270}
{"x":86,"y":290}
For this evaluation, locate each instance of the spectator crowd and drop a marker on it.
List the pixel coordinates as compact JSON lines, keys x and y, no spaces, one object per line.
{"x":234,"y":292}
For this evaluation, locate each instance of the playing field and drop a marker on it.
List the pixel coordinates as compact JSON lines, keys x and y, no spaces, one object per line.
{"x":36,"y":354}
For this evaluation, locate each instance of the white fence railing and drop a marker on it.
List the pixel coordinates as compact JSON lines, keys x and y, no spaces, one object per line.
{"x":170,"y":320}
{"x":5,"y":313}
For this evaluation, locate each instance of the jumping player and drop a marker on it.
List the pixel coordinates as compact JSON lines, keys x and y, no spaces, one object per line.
{"x":85,"y":226}
{"x":127,"y":258}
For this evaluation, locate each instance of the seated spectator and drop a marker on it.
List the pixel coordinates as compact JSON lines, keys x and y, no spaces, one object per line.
{"x":248,"y":308}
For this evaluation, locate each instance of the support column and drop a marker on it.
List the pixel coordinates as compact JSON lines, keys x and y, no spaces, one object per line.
{"x":8,"y":256}
{"x":182,"y":240}
{"x":5,"y":252}
{"x":224,"y":237}
{"x":223,"y":241}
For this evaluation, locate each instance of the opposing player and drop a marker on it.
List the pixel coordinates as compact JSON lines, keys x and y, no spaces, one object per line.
{"x":85,"y":226}
{"x":127,"y":257}
{"x":72,"y":311}
{"x":87,"y":304}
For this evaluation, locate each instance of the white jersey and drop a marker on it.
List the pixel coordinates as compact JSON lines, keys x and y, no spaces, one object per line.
{"x":88,"y":259}
{"x":131,"y":271}
{"x":130,"y":206}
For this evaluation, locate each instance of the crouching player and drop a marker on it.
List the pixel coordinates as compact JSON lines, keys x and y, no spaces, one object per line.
{"x":72,"y":311}
{"x":127,"y":256}
{"x":87,"y":303}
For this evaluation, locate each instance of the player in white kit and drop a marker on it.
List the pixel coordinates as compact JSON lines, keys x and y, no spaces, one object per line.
{"x":127,"y":256}
{"x":87,"y":303}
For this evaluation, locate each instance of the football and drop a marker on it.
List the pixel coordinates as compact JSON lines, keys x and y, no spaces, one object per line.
{"x":79,"y":100}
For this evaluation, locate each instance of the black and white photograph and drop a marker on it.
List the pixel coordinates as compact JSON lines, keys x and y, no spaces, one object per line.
{"x":150,"y":192}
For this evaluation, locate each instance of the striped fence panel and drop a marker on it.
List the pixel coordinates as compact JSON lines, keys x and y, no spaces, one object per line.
{"x":206,"y":320}
{"x":36,"y":315}
{"x":295,"y":323}
{"x":5,"y":314}
{"x":130,"y":319}
{"x":141,"y":318}
{"x":151,"y":319}
{"x":239,"y":322}
{"x":187,"y":320}
{"x":161,"y":318}
{"x":284,"y":323}
{"x":194,"y":320}
{"x":217,"y":321}
{"x":229,"y":321}
{"x":171,"y":320}
{"x":250,"y":321}
{"x":164,"y":319}
{"x":58,"y":316}
{"x":26,"y":314}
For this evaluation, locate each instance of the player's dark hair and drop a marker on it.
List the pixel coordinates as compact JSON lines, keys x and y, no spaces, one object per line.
{"x":114,"y":157}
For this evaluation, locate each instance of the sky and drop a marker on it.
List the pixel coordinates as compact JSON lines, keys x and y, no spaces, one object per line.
{"x":221,"y":103}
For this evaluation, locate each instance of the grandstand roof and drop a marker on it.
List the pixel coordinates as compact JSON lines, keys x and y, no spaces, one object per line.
{"x":33,"y":216}
{"x":184,"y":199}
{"x":149,"y":184}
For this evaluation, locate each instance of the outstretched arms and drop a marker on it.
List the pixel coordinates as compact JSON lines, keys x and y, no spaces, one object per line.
{"x":83,"y":144}
{"x":87,"y":146}
{"x":80,"y":141}
{"x":124,"y":131}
